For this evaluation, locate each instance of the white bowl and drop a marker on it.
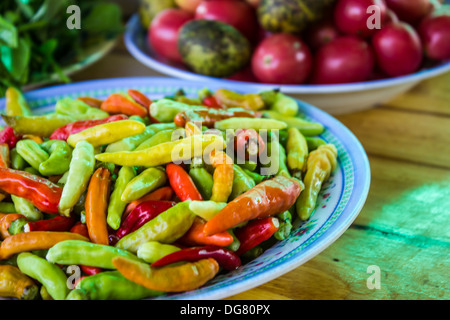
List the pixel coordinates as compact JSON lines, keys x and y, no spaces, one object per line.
{"x":335,"y":99}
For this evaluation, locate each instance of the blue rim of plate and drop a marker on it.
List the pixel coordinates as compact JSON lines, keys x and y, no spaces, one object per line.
{"x":135,"y":42}
{"x":351,"y":153}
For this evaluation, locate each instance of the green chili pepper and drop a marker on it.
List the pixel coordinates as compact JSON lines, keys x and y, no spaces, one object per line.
{"x":234,"y":246}
{"x":158,"y":138}
{"x":17,"y":226}
{"x":250,"y":123}
{"x":78,"y":252}
{"x":137,"y":118}
{"x":297,"y":152}
{"x":42,"y":125}
{"x":285,"y":227}
{"x":165,"y":110}
{"x":203,"y":180}
{"x":32,"y":171}
{"x":241,"y":182}
{"x":80,"y":171}
{"x":7,"y":207}
{"x":59,"y":160}
{"x":116,"y":205}
{"x":16,"y":104}
{"x":307,"y":128}
{"x":277,"y":160}
{"x":206,"y":209}
{"x":26,"y":208}
{"x":74,"y":108}
{"x":166,"y":227}
{"x":110,"y":285}
{"x":50,"y":275}
{"x":204,"y":93}
{"x":153,"y":250}
{"x":314,"y":143}
{"x":249,"y":165}
{"x":17,"y":162}
{"x":145,"y":182}
{"x":31,"y":152}
{"x":280,"y":103}
{"x":255,"y":176}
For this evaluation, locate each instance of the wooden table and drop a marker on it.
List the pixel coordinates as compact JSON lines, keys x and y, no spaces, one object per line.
{"x":403,"y":228}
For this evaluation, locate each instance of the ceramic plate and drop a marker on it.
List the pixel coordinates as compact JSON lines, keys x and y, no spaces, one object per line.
{"x":335,"y":99}
{"x":339,"y":203}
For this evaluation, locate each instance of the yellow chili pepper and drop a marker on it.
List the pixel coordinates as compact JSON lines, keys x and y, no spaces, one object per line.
{"x":173,"y":151}
{"x":107,"y":133}
{"x":223,"y":176}
{"x":321,"y":162}
{"x":231,"y":99}
{"x":297,"y":152}
{"x":16,"y":105}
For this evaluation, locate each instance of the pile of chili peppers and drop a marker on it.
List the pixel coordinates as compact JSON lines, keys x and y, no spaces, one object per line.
{"x":139,"y":198}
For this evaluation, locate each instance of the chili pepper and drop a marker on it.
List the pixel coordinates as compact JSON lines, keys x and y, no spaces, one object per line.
{"x":5,"y":161}
{"x":110,"y":285}
{"x":158,"y":138}
{"x":211,"y":102}
{"x":209,"y":117}
{"x":321,"y":162}
{"x":173,"y":151}
{"x":314,"y":143}
{"x":163,"y":193}
{"x":80,"y":228}
{"x":15,"y":103}
{"x":96,"y":206}
{"x":58,"y":223}
{"x":148,"y":180}
{"x":255,"y":176}
{"x":7,"y":221}
{"x":36,"y":139}
{"x":285,"y":219}
{"x":36,"y":240}
{"x":250,"y":123}
{"x":242,"y":182}
{"x":191,"y":129}
{"x":249,"y":144}
{"x":15,"y":284}
{"x":107,"y":132}
{"x":121,"y":103}
{"x":77,"y":108}
{"x":7,"y":207}
{"x":165,"y":110}
{"x":297,"y":152}
{"x":133,"y":142}
{"x":92,"y":102}
{"x":265,"y":199}
{"x":64,"y":132}
{"x":80,"y":171}
{"x":203,"y":180}
{"x":277,"y":165}
{"x":284,"y":105}
{"x":26,"y":208}
{"x":41,"y":125}
{"x":182,"y":183}
{"x":224,"y":257}
{"x":17,"y":162}
{"x":195,"y":236}
{"x":42,"y":193}
{"x":32,"y":153}
{"x":223,"y":176}
{"x":58,"y":162}
{"x":188,"y":276}
{"x":255,"y":232}
{"x":231,"y":99}
{"x":116,"y":206}
{"x":143,"y":213}
{"x":48,"y":274}
{"x":153,"y":250}
{"x":140,"y":98}
{"x":206,"y":209}
{"x":8,"y":136}
{"x":307,"y":128}
{"x":166,"y":227}
{"x":90,"y":271}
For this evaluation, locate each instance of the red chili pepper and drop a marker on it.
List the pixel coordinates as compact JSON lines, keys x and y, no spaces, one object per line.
{"x":140,"y":215}
{"x":58,"y":223}
{"x":182,"y":183}
{"x":8,"y":136}
{"x":140,"y":98}
{"x":90,"y":271}
{"x":255,"y":232}
{"x":163,"y":193}
{"x":81,"y":229}
{"x":74,"y":127}
{"x":211,"y":102}
{"x":196,"y":237}
{"x":209,"y":117}
{"x":224,"y":257}
{"x":42,"y":193}
{"x":248,"y":143}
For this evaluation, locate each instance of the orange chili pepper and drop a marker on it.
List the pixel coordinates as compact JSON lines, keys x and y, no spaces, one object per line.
{"x":14,"y":283}
{"x":92,"y":102}
{"x":223,"y":176}
{"x":5,"y":223}
{"x":96,"y":206}
{"x":118,"y":103}
{"x":140,"y":98}
{"x":196,"y":237}
{"x":164,"y":194}
{"x":265,"y":199}
{"x":33,"y":137}
{"x":34,"y":240}
{"x":191,"y":129}
{"x":185,"y":277}
{"x":4,"y":155}
{"x":182,"y":183}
